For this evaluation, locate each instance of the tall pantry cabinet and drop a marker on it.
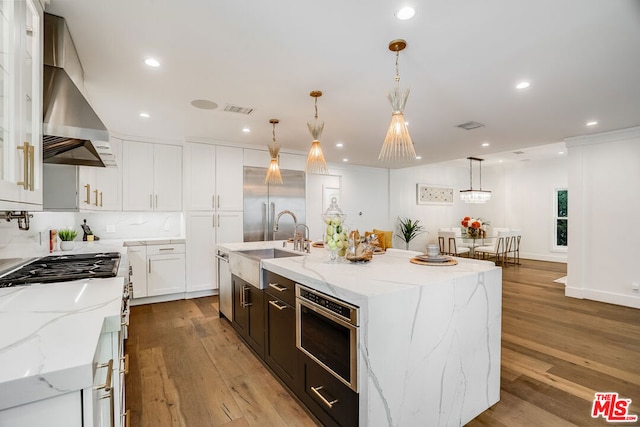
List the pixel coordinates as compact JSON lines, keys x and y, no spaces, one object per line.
{"x":21,"y":109}
{"x":213,"y":200}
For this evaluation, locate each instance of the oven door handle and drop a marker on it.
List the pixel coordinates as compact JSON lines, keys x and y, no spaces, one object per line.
{"x":329,"y":402}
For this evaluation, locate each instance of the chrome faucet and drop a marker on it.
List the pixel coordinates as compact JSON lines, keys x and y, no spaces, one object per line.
{"x":301,"y":242}
{"x":295,"y":220}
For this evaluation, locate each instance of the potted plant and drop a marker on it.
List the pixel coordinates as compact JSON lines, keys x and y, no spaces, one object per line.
{"x":66,"y":238}
{"x":409,"y":229}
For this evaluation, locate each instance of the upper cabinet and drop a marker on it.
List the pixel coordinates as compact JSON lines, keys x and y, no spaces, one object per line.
{"x":151,"y":177}
{"x":213,"y":177}
{"x":21,"y":110}
{"x":101,"y":188}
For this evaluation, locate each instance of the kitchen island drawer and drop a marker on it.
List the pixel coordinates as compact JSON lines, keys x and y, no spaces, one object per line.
{"x":331,"y":401}
{"x":165,"y":249}
{"x":280,"y":287}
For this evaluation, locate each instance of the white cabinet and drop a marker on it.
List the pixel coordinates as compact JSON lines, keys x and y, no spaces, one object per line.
{"x":100,"y":189}
{"x":214,"y":202}
{"x":166,"y":269}
{"x":152,"y":177}
{"x":204,"y":229}
{"x":157,"y":269}
{"x":21,"y":108}
{"x":138,"y":264}
{"x":213,"y":177}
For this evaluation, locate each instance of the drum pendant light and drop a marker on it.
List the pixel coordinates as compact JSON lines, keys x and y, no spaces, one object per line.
{"x":273,"y":172}
{"x":315,"y":159}
{"x":471,"y":195}
{"x":397,"y":144}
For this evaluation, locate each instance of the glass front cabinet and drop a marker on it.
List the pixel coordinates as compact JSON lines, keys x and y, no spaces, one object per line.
{"x":21,"y":43}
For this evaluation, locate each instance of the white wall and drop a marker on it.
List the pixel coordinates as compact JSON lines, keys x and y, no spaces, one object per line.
{"x":604,"y":207}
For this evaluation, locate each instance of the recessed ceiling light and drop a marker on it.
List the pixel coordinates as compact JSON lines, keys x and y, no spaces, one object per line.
{"x":246,"y":130}
{"x":151,"y":62}
{"x":418,"y":157}
{"x":345,"y":160}
{"x":339,"y":145}
{"x":560,"y":153}
{"x":405,"y":13}
{"x":485,"y":144}
{"x":500,"y":161}
{"x":145,"y":115}
{"x":592,"y":123}
{"x":523,"y":85}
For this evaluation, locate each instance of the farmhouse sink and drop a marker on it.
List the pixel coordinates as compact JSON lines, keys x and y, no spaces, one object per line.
{"x":246,"y":264}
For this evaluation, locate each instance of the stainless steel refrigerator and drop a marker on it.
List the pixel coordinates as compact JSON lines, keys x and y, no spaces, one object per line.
{"x":263,"y":202}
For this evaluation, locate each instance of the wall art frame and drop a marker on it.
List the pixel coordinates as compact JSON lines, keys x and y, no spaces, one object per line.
{"x":427,"y":194}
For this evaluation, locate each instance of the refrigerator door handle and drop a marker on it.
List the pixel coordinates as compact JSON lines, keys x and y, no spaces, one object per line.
{"x":272,"y":220}
{"x":265,"y":221}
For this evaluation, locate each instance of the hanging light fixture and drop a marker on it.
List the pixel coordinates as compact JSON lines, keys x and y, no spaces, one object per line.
{"x":273,"y":172}
{"x":397,"y":144}
{"x":471,"y":195}
{"x":315,"y":159}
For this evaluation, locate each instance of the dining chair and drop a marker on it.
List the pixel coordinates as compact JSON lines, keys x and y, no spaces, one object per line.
{"x":498,"y":249}
{"x":448,"y":244}
{"x":513,"y":246}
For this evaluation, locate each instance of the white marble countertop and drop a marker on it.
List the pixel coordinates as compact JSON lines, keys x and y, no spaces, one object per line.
{"x":154,"y":241}
{"x":49,"y":336}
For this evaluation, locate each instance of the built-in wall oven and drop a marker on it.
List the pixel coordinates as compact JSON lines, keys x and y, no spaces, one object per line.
{"x":327,"y":332}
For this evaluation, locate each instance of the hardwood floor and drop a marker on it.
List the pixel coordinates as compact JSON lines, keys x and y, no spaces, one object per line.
{"x":189,"y":368}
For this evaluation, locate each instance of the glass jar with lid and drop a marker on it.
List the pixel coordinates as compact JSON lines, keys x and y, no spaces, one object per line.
{"x":335,"y":231}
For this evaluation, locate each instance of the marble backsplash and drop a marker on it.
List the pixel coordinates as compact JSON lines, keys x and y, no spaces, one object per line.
{"x":15,"y":243}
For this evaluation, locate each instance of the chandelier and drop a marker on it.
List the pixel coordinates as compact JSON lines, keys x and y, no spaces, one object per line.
{"x":397,"y":144}
{"x":315,"y":159}
{"x":273,"y":172}
{"x":471,"y":195}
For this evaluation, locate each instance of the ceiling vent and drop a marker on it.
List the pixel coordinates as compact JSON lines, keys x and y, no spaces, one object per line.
{"x":470,"y":125}
{"x":518,"y":152}
{"x":237,"y":109}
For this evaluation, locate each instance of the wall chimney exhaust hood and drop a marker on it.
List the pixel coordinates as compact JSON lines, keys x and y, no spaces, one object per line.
{"x":72,"y":132}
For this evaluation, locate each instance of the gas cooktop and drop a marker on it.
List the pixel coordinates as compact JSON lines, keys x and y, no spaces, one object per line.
{"x":62,"y":268}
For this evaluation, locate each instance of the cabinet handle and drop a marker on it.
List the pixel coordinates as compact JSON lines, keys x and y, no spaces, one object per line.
{"x":326,"y":401}
{"x":278,"y":287}
{"x":101,"y":199}
{"x":166,"y":249}
{"x":149,"y":266}
{"x":125,"y":368}
{"x":87,"y":200}
{"x":25,"y":150}
{"x":156,"y":206}
{"x":218,"y":220}
{"x":95,"y":192}
{"x":125,"y":418}
{"x":107,"y":382}
{"x":218,"y":197}
{"x":278,"y":306}
{"x":150,"y":201}
{"x":213,"y":201}
{"x":244,"y":291}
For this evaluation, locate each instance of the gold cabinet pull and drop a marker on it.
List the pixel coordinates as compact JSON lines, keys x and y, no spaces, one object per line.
{"x":125,"y":368}
{"x":107,"y":382}
{"x":126,"y":416}
{"x":101,"y":199}
{"x":25,"y":164}
{"x":95,"y":192}
{"x":326,"y":401}
{"x":88,"y":198}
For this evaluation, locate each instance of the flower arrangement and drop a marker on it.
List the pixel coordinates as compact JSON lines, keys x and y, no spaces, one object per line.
{"x":473,"y":225}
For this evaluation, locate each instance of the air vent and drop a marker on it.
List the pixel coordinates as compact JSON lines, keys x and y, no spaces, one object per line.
{"x":237,"y":109}
{"x":518,"y":152}
{"x":470,"y":125}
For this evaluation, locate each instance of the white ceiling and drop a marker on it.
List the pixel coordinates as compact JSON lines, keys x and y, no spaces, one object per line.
{"x":462,"y":63}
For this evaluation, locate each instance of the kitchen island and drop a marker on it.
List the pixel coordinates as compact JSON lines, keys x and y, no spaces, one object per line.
{"x":429,"y":336}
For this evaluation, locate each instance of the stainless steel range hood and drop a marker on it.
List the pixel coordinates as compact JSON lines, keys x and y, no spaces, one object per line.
{"x":72,"y":132}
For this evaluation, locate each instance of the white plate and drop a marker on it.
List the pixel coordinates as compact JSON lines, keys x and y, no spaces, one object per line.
{"x":439,"y":258}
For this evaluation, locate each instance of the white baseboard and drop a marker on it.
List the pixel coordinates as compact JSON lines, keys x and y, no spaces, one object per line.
{"x":158,"y":298}
{"x":198,"y":294}
{"x":562,"y":257}
{"x":608,"y":297}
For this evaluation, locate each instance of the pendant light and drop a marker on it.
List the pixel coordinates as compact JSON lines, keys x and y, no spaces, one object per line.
{"x":471,"y":195}
{"x":273,"y":172}
{"x":397,"y":144}
{"x":315,"y":159}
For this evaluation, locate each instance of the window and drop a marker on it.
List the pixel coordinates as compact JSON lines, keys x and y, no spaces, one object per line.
{"x":561,"y":219}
